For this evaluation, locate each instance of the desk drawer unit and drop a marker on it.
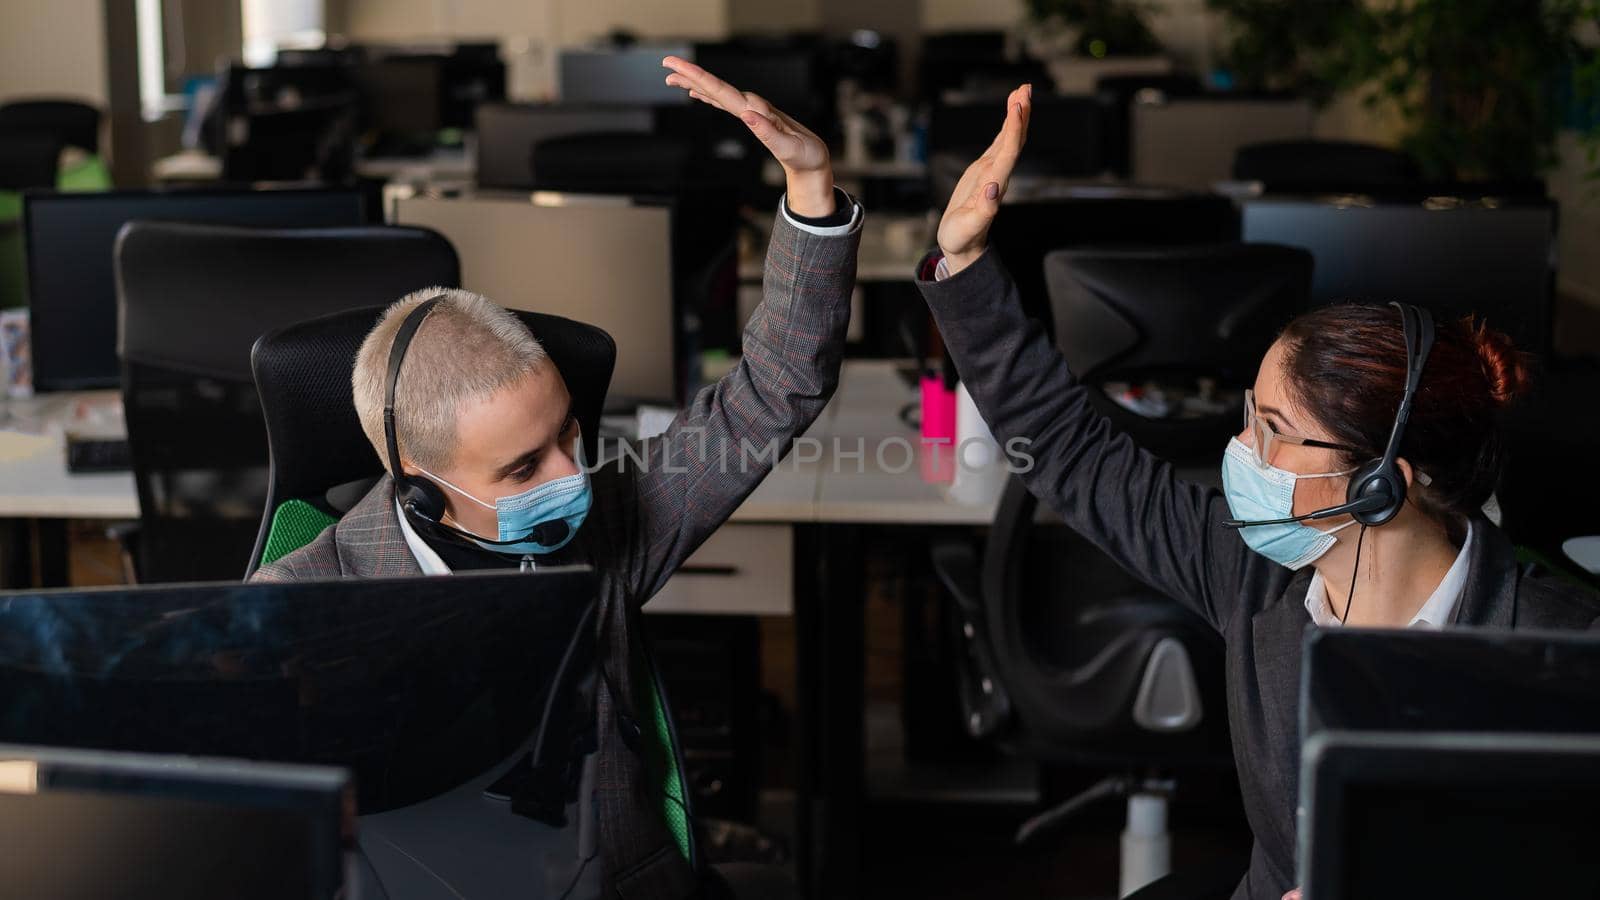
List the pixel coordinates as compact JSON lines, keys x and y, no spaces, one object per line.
{"x":742,"y":570}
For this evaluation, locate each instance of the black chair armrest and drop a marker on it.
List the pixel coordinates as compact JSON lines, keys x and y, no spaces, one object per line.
{"x":126,"y":534}
{"x":985,"y":705}
{"x":956,"y":565}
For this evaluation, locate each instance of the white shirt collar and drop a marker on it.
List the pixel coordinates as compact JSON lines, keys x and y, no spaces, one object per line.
{"x":427,"y":559}
{"x":1439,"y":610}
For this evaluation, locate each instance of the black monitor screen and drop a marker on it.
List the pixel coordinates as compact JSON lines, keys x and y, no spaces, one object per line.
{"x":1458,"y":680}
{"x":71,"y":277}
{"x":414,"y":684}
{"x":1493,"y":263}
{"x":1451,"y":815}
{"x":1477,"y":840}
{"x":85,"y":826}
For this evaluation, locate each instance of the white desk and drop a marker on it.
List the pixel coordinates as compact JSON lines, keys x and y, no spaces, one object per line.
{"x":34,"y":482}
{"x":441,"y":165}
{"x":886,"y":486}
{"x":747,"y":567}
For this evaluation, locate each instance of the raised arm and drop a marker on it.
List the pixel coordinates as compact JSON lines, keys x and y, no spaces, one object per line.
{"x":1123,"y":499}
{"x":715,"y":452}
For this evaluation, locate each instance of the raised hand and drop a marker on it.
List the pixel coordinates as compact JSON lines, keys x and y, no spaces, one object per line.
{"x":964,"y":230}
{"x":802,"y":154}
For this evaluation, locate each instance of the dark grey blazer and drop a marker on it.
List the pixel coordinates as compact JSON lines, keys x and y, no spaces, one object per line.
{"x":647,"y":519}
{"x":1168,"y":532}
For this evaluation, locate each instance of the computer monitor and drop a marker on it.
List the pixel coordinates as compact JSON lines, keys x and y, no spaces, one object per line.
{"x":1191,"y":141}
{"x":786,"y":74}
{"x":1461,"y":815}
{"x":286,"y":123}
{"x":401,"y":96}
{"x":625,"y":76}
{"x":607,"y":261}
{"x":87,"y":825}
{"x":1065,"y":133}
{"x":417,"y":685}
{"x":508,"y":132}
{"x":71,"y":279}
{"x":1455,"y":680}
{"x":1495,"y":260}
{"x":415,"y":95}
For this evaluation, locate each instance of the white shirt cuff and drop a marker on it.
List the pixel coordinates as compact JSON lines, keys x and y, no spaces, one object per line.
{"x":942,"y":270}
{"x":820,"y":231}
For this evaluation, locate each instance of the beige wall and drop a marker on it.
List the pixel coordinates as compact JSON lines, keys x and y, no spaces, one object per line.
{"x":974,"y":15}
{"x":747,"y":16}
{"x":54,"y":47}
{"x":528,"y":30}
{"x":565,"y":21}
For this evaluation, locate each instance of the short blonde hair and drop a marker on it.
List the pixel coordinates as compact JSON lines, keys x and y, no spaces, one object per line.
{"x":466,"y":349}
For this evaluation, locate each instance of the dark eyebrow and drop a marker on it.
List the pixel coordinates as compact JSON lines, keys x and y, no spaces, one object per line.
{"x":524,"y":461}
{"x":531,"y":457}
{"x":1276,"y":413}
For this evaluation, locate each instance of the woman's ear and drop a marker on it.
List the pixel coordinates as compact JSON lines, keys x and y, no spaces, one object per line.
{"x":1407,"y":473}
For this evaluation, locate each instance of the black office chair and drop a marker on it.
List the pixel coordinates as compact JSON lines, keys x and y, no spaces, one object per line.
{"x":1174,"y":314}
{"x":28,"y":161}
{"x":192,"y":301}
{"x":321,"y":460}
{"x":70,"y":122}
{"x":1068,"y":659}
{"x":1323,"y":166}
{"x":1103,"y":217}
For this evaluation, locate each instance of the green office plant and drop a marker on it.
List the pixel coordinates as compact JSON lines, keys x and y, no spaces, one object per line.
{"x":1274,"y":45}
{"x":1102,"y":28}
{"x":1482,"y":86}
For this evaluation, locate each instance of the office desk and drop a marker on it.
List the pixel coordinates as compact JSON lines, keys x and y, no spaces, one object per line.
{"x":855,"y":499}
{"x":440,"y":165}
{"x":34,"y":482}
{"x":740,"y":571}
{"x":38,"y":496}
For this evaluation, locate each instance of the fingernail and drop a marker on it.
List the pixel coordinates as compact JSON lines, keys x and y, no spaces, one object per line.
{"x":992,"y":191}
{"x":750,"y":119}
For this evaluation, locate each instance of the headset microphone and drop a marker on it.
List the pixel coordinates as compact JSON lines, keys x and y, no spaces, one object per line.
{"x":1365,"y":504}
{"x":546,"y":533}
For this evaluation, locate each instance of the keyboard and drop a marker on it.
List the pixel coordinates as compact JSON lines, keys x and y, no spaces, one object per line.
{"x":87,"y":456}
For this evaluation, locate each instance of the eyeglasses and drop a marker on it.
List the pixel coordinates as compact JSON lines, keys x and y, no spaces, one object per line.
{"x":1265,"y":437}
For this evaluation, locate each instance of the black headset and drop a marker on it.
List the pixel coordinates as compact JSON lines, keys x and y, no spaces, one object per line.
{"x":420,"y":498}
{"x":1378,"y":488}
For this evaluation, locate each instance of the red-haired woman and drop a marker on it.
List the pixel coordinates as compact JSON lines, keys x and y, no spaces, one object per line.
{"x":1323,"y":405}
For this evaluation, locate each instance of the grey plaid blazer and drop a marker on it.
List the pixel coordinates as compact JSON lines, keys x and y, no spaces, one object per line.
{"x":647,"y":518}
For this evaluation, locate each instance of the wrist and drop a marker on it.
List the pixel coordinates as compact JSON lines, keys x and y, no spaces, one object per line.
{"x":956,"y":261}
{"x":810,"y":194}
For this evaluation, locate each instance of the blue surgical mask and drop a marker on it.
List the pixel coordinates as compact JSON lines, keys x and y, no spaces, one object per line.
{"x":1257,"y":492}
{"x":564,"y":499}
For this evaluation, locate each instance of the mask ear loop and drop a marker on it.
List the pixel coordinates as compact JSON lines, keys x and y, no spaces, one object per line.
{"x":1354,"y":571}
